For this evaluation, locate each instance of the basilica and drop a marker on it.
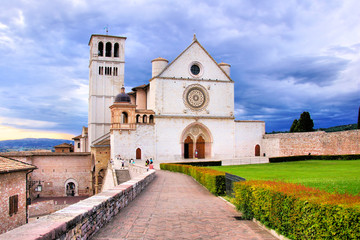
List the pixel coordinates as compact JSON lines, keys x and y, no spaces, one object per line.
{"x":184,"y":111}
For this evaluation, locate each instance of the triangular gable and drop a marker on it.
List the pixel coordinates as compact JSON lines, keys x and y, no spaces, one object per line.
{"x":195,"y":52}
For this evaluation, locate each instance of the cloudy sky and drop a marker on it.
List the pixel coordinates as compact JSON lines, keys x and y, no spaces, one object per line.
{"x":286,"y":57}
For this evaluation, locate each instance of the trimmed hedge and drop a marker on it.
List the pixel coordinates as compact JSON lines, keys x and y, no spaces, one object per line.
{"x":202,"y":164}
{"x":299,"y":212}
{"x":213,"y":180}
{"x":314,"y":157}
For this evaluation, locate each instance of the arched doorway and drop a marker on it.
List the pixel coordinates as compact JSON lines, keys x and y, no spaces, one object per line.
{"x":257,"y":150}
{"x":138,"y":153}
{"x":188,"y":147}
{"x":196,"y":136}
{"x":100,"y":178}
{"x":200,"y":147}
{"x":71,"y":187}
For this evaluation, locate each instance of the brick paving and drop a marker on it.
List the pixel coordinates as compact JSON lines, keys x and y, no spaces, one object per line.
{"x":174,"y":206}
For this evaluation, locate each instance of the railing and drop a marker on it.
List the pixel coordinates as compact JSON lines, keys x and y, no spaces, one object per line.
{"x":229,"y":181}
{"x":136,"y":170}
{"x":125,"y":126}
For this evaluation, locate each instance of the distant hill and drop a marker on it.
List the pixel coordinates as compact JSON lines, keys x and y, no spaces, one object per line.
{"x":339,"y":128}
{"x":30,"y":144}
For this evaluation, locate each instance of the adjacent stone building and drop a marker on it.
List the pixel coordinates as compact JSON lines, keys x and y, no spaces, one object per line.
{"x":64,"y":147}
{"x":13,"y":193}
{"x":58,"y":174}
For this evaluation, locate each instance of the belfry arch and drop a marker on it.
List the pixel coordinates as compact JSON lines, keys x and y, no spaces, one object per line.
{"x":196,"y":141}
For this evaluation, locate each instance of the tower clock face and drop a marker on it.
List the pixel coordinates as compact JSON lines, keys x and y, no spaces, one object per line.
{"x":196,"y":97}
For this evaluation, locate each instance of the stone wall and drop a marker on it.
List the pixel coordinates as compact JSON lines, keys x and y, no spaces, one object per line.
{"x":83,"y":219}
{"x":125,"y":143}
{"x":12,"y":184}
{"x":315,"y":143}
{"x":248,"y":134}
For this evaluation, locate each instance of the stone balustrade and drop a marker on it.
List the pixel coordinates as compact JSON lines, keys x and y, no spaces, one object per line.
{"x":85,"y":218}
{"x":136,"y":170}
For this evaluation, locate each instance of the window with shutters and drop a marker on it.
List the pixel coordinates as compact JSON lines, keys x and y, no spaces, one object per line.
{"x":13,"y":205}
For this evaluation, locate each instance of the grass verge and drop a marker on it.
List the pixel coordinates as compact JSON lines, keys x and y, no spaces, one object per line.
{"x":331,"y":176}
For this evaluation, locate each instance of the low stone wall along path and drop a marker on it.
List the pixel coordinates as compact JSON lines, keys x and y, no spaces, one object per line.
{"x":175,"y":206}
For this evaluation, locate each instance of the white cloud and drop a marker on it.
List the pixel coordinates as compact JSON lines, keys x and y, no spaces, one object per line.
{"x":28,"y":123}
{"x":19,"y":20}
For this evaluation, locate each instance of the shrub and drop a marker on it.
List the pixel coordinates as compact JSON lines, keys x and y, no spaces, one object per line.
{"x":213,"y":180}
{"x":314,"y":157}
{"x":299,"y":212}
{"x":202,"y":164}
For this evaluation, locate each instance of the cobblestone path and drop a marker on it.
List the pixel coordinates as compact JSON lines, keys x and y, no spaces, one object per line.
{"x":174,"y":206}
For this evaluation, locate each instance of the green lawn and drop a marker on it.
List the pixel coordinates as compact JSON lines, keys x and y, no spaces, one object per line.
{"x":339,"y":176}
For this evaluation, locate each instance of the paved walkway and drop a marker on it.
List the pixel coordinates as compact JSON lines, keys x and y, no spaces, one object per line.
{"x":174,"y":206}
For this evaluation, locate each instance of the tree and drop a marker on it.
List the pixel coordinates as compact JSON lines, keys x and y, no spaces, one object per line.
{"x":293,"y":127}
{"x":304,"y":124}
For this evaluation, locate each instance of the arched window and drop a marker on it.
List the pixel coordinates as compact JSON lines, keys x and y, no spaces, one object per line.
{"x":108,"y":49}
{"x":124,"y":117}
{"x":101,"y":49}
{"x":116,"y":50}
{"x":144,"y":119}
{"x":151,"y":119}
{"x":257,"y":150}
{"x":138,"y":118}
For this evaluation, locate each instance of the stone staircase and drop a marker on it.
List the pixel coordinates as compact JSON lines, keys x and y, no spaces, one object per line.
{"x":122,"y":175}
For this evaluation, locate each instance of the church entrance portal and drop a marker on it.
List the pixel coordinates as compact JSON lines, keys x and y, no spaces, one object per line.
{"x":197,"y":141}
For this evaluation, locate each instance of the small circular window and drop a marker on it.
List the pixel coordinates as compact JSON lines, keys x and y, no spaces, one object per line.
{"x":195,"y":69}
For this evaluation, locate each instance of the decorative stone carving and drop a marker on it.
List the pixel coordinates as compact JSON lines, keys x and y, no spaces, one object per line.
{"x":196,"y":97}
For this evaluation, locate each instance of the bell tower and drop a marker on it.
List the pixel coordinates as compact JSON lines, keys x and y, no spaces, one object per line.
{"x":106,"y":78}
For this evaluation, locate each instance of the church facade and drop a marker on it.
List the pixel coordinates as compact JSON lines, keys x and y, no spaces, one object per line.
{"x":185,"y":111}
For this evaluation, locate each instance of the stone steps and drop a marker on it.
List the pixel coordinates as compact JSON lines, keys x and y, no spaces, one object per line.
{"x":122,"y":175}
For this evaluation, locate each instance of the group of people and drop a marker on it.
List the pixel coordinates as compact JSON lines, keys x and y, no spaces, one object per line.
{"x":131,"y":161}
{"x":149,"y":163}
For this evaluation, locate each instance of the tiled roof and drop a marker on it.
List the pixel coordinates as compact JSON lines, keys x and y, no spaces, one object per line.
{"x":10,"y":165}
{"x":30,"y":154}
{"x":141,"y":86}
{"x":77,"y":137}
{"x":63,"y":145}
